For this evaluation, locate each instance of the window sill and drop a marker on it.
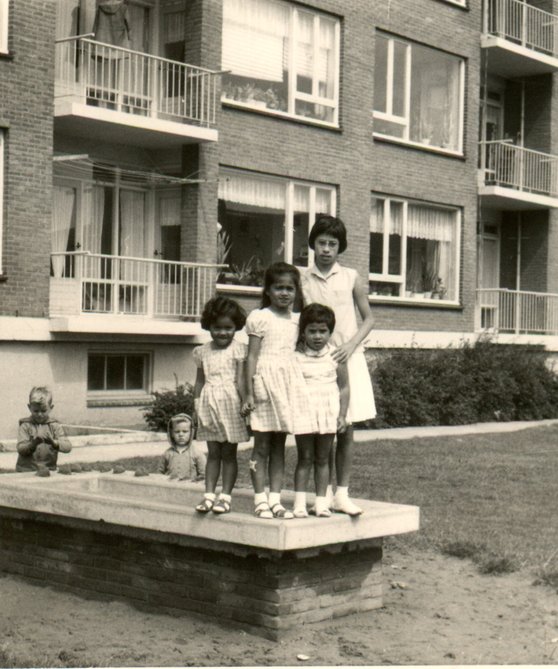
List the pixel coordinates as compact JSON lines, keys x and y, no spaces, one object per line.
{"x":420,"y":147}
{"x":236,"y":289}
{"x":264,"y":111}
{"x":6,"y":55}
{"x":423,"y":302}
{"x":455,"y":3}
{"x":119,"y":401}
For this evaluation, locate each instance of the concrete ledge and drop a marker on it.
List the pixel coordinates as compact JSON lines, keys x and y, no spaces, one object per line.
{"x":156,"y":503}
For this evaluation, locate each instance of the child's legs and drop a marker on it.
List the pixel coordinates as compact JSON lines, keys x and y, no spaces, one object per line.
{"x":323,"y":446}
{"x":213,"y":466}
{"x":258,"y":461}
{"x":230,"y":466}
{"x":305,"y":449}
{"x":277,"y":461}
{"x":344,"y":456}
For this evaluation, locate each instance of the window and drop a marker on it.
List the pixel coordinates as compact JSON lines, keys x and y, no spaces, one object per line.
{"x":281,"y":58}
{"x":418,"y":94}
{"x":117,"y":373}
{"x":4,"y":4}
{"x":461,"y":3}
{"x":263,"y":220}
{"x":414,"y":250}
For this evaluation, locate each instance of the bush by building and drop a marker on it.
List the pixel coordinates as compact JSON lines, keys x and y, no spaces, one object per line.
{"x":479,"y":383}
{"x":167,"y":403}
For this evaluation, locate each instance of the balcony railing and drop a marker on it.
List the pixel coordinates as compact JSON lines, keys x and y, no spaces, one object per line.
{"x":128,"y":81}
{"x":517,"y":312}
{"x":521,"y":169}
{"x":523,"y":24}
{"x":91,"y":283}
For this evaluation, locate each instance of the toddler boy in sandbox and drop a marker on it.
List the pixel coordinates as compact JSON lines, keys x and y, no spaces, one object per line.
{"x":184,"y":460}
{"x":40,"y":436}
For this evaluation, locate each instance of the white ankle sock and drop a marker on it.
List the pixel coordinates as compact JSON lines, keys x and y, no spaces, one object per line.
{"x":274,"y":498}
{"x":225,"y":497}
{"x":210,"y":495}
{"x":300,"y":500}
{"x":259,"y":497}
{"x":321,"y":505}
{"x":342,"y":492}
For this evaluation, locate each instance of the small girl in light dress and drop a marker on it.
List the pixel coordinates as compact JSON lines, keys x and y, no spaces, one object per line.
{"x":276,"y":390}
{"x":328,"y":386}
{"x":218,"y":395}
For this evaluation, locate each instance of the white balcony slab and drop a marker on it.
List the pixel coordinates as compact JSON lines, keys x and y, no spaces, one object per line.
{"x":156,"y":503}
{"x":108,"y":125}
{"x":129,"y":325}
{"x":511,"y":60}
{"x":500,"y":197}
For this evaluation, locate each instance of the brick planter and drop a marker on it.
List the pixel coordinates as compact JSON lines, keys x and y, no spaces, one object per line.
{"x":266,"y":589}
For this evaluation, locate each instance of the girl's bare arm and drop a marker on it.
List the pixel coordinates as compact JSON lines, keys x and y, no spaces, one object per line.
{"x":254,"y":346}
{"x":344,"y":396}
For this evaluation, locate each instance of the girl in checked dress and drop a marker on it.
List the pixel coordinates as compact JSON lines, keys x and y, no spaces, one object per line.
{"x":218,"y":393}
{"x":276,"y":387}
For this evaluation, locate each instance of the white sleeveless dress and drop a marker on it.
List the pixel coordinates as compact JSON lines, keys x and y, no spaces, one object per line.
{"x":335,"y":290}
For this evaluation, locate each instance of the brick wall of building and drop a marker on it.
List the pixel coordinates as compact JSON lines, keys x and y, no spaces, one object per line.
{"x":356,"y":163}
{"x":26,"y":116}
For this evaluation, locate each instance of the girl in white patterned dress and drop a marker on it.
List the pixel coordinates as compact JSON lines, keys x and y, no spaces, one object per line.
{"x":218,"y":395}
{"x":275,"y":386}
{"x":328,"y":386}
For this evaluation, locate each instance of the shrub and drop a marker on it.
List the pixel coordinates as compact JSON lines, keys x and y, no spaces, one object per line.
{"x":478,"y":383}
{"x":167,"y":403}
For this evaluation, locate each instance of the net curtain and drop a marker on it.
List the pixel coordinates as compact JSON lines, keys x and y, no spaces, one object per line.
{"x":63,"y":220}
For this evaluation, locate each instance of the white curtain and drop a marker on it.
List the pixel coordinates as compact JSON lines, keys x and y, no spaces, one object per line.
{"x":67,"y":13}
{"x":301,"y":199}
{"x":132,"y":223}
{"x":430,"y":223}
{"x":395,"y":226}
{"x":63,"y":219}
{"x":255,"y":36}
{"x":92,"y":214}
{"x":305,"y":48}
{"x":323,"y":201}
{"x":252,"y":191}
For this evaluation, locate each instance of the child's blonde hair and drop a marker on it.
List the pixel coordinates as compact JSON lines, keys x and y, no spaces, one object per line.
{"x":41,"y":394}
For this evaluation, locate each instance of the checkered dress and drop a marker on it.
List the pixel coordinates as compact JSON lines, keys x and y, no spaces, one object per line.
{"x":219,"y":416}
{"x":279,"y":387}
{"x":320,"y":373}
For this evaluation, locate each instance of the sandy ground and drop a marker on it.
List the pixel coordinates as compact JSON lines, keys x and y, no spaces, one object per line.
{"x":438,"y":610}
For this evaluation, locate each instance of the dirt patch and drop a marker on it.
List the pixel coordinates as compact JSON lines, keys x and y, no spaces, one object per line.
{"x":438,"y":610}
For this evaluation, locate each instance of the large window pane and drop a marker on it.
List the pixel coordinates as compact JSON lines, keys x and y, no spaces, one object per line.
{"x":428,"y":268}
{"x":417,"y":93}
{"x":266,"y":45}
{"x":380,"y":74}
{"x":262,"y":221}
{"x":434,"y":98}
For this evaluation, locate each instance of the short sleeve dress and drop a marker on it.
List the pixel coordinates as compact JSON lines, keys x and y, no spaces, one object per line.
{"x":219,"y":416}
{"x":335,"y":290}
{"x":320,"y":373}
{"x":279,"y":387}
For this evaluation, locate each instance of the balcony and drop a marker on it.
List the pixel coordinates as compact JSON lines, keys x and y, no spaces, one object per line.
{"x":513,"y":177}
{"x":520,"y":39}
{"x":112,"y":94}
{"x":504,"y":311}
{"x":91,"y":292}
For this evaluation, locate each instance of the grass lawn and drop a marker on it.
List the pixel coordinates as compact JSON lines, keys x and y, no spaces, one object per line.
{"x":492,"y":498}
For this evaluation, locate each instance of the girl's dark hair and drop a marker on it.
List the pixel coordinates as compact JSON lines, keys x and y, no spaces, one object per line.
{"x":316,"y":313}
{"x":272,"y":274}
{"x":329,"y":225}
{"x":218,"y":307}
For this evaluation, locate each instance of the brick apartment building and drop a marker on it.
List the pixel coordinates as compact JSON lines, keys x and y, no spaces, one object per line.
{"x":154,"y":151}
